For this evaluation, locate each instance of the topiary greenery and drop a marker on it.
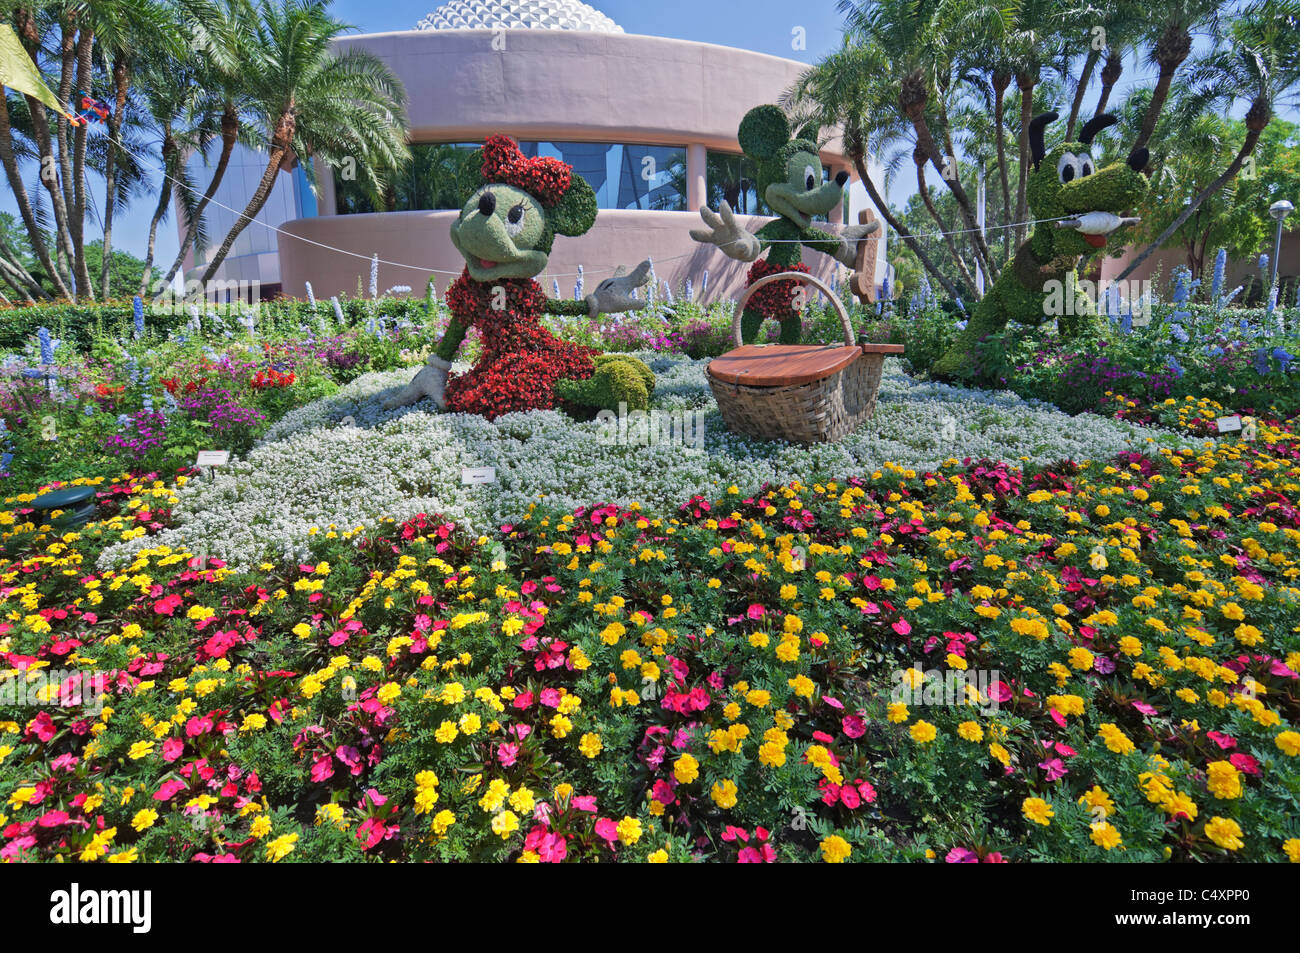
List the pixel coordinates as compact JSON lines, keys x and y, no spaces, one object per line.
{"x":1062,"y":183}
{"x":618,"y":379}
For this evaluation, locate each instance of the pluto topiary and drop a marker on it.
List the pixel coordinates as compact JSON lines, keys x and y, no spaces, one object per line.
{"x":1082,"y":206}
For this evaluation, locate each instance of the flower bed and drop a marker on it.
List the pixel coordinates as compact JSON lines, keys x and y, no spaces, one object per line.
{"x":311,"y":472}
{"x":722,"y":681}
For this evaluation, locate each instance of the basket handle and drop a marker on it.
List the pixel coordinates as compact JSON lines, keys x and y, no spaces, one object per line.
{"x":802,"y":276}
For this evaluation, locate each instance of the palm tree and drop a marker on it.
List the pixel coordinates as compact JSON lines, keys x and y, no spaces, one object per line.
{"x":124,"y":32}
{"x":170,"y":92}
{"x":220,"y":30}
{"x":309,"y":102}
{"x":851,"y":89}
{"x":919,"y":40}
{"x":1261,"y":62}
{"x":1171,"y":23}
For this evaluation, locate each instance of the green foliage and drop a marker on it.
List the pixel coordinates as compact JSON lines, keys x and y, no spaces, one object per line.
{"x":576,"y":212}
{"x":618,"y":379}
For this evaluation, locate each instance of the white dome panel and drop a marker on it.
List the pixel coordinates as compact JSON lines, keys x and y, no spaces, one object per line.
{"x":518,"y":15}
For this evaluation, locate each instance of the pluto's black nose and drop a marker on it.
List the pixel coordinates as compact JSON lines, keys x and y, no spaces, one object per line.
{"x":841,"y":177}
{"x":487,"y":203}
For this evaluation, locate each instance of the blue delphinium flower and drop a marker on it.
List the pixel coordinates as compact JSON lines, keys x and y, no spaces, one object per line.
{"x":704,"y":282}
{"x":1216,"y":285}
{"x":1260,"y":362}
{"x":961,"y":325}
{"x":1178,"y":333}
{"x":555,"y":288}
{"x":689,"y":292}
{"x":47,"y":346}
{"x":1214,"y":350}
{"x":137,"y":316}
{"x":577,"y":285}
{"x":1175,"y":368}
{"x":1283,"y":358}
{"x":960,"y":306}
{"x":311,"y":296}
{"x":374,"y":276}
{"x":338,"y":309}
{"x":668,"y":293}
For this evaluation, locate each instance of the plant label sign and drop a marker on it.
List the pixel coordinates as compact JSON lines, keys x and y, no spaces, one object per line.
{"x":1228,"y":424}
{"x":212,"y":458}
{"x":470,"y":476}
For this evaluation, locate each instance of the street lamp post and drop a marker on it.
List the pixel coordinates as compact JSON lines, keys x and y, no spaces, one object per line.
{"x":1279,"y":210}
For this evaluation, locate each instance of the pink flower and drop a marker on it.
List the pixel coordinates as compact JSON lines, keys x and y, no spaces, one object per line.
{"x":507,"y":753}
{"x":855,"y":726}
{"x":1000,"y":692}
{"x":322,"y":769}
{"x":902,"y":627}
{"x":168,"y":790}
{"x":1055,"y":769}
{"x":172,"y":749}
{"x":553,"y":848}
{"x":1223,"y":741}
{"x":607,"y":830}
{"x":1244,"y":763}
{"x":755,"y":611}
{"x":849,"y":796}
{"x":962,"y":855}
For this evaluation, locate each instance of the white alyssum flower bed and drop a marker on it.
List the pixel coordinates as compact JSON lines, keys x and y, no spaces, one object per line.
{"x":318,"y":468}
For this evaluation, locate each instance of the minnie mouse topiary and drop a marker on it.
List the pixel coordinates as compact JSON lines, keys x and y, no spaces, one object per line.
{"x":505,"y":232}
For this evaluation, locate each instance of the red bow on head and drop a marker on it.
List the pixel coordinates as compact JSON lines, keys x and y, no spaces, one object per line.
{"x":544,"y":178}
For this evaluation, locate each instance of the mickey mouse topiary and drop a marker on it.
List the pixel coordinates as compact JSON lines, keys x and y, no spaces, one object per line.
{"x":505,"y":232}
{"x":790,"y":182}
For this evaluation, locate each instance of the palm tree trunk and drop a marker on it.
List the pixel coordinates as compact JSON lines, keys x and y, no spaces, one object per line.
{"x":1110,"y":74}
{"x":924,"y":189}
{"x":1000,"y":82}
{"x":911,"y":103}
{"x":169,"y":157}
{"x":279,"y":147}
{"x":1026,"y":83}
{"x":883,"y":208}
{"x":78,"y":220}
{"x":229,"y":135}
{"x":1247,"y":147}
{"x":1174,"y":46}
{"x":120,"y":84}
{"x":34,"y":234}
{"x":1085,"y":77}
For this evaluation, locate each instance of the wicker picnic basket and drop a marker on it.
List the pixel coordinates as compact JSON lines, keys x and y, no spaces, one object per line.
{"x":798,"y":392}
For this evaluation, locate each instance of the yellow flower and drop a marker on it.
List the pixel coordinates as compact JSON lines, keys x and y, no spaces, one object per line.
{"x":970,"y":731}
{"x":1037,"y":810}
{"x":835,"y":849}
{"x":658,"y":857}
{"x":1223,"y":779}
{"x":724,"y":793}
{"x":629,"y":830}
{"x":686,"y":769}
{"x":1105,"y":835}
{"x":923,"y":732}
{"x":1292,"y":849}
{"x":897,"y":713}
{"x":505,"y":824}
{"x":281,"y":847}
{"x":1224,"y":832}
{"x":1288,"y":742}
{"x":140,"y":749}
{"x":590,"y":744}
{"x":144,"y":820}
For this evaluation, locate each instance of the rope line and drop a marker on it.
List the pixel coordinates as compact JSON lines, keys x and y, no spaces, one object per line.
{"x":554,"y":276}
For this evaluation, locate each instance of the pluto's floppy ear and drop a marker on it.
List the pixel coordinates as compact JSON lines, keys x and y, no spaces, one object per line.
{"x":576,"y":212}
{"x":763,"y":131}
{"x":1037,"y":125}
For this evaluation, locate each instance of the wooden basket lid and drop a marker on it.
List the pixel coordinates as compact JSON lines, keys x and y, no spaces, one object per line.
{"x":788,"y":365}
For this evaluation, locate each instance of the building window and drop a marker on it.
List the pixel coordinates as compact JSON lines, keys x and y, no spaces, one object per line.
{"x":441,"y":176}
{"x":651,"y":178}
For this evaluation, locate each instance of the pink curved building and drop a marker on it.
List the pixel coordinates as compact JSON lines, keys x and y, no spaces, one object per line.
{"x":646,"y":120}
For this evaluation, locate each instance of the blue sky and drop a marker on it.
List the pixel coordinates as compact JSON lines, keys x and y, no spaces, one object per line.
{"x":767,"y":26}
